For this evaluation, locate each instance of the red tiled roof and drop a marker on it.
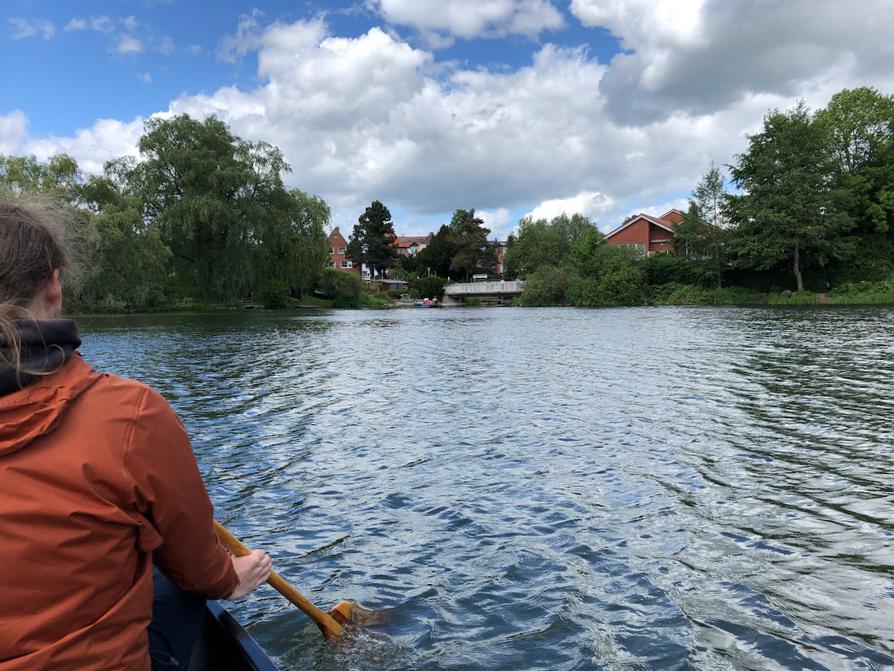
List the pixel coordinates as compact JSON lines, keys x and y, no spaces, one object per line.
{"x":410,"y":240}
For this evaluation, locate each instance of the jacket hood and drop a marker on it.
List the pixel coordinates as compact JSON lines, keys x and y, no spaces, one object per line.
{"x":33,"y":410}
{"x":45,"y":346}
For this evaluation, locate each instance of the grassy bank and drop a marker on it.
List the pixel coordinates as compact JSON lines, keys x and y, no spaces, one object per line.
{"x":857,"y":293}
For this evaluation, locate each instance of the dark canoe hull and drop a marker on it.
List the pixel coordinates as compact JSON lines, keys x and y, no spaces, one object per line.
{"x":225,"y":646}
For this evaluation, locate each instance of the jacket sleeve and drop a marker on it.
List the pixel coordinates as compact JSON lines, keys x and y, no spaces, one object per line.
{"x":169,"y":492}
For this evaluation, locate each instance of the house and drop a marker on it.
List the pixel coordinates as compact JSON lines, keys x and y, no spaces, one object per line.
{"x":500,"y":249}
{"x":338,"y":252}
{"x":647,"y":234}
{"x":407,"y":245}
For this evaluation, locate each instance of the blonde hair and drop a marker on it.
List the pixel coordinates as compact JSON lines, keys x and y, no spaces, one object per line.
{"x":32,"y":246}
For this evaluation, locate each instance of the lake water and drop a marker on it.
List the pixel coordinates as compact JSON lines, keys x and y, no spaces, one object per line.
{"x":655,"y":488}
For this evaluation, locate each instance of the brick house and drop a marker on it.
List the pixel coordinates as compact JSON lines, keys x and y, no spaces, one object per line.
{"x":500,"y":249}
{"x":338,"y":252}
{"x":407,"y":245}
{"x":647,"y":234}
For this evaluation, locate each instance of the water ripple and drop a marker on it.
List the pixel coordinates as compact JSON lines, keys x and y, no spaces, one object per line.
{"x":549,"y":489}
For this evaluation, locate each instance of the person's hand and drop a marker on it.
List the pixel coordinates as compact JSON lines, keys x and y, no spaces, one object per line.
{"x":252,"y":570}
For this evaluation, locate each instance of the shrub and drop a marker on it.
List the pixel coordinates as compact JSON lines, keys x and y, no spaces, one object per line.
{"x":428,"y":287}
{"x":342,"y":287}
{"x":548,"y":285}
{"x":273,"y":294}
{"x":372,"y":300}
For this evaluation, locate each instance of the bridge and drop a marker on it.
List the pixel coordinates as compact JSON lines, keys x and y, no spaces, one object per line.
{"x":497,"y":293}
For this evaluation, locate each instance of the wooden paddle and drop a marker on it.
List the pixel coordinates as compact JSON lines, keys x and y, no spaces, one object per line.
{"x":344,"y":612}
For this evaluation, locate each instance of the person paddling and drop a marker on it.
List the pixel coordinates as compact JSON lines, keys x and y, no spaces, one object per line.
{"x":98,"y":483}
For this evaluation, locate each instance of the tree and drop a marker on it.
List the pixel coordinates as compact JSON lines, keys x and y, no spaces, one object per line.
{"x":702,"y":232}
{"x":25,"y":175}
{"x":291,"y":247}
{"x":541,"y":242}
{"x":786,"y":212}
{"x":438,"y":255}
{"x":372,"y":241}
{"x":472,"y":248}
{"x":220,"y":206}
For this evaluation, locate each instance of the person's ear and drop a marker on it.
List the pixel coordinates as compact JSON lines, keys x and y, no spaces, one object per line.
{"x":52,"y":293}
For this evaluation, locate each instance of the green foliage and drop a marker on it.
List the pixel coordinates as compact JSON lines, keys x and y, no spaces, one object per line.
{"x":541,"y":242}
{"x":25,"y":175}
{"x":792,"y":298}
{"x":437,"y":257}
{"x":373,"y":300}
{"x":342,"y":287}
{"x":865,"y":292}
{"x":221,"y":208}
{"x":273,"y":294}
{"x":428,"y":287}
{"x":615,"y":278}
{"x":669,"y":269}
{"x":584,"y":252}
{"x":201,"y":217}
{"x":687,"y":294}
{"x":548,"y":285}
{"x":123,"y":263}
{"x":372,"y":242}
{"x":471,"y":247}
{"x":787,"y":211}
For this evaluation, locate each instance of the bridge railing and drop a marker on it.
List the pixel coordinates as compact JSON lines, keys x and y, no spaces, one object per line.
{"x":469,"y":288}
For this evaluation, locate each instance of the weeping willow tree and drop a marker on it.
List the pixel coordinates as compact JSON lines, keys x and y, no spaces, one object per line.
{"x":201,"y":214}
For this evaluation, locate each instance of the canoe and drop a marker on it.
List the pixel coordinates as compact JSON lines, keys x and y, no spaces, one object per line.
{"x":225,"y":646}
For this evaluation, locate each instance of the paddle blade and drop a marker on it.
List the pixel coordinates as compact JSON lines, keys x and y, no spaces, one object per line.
{"x":351,"y":612}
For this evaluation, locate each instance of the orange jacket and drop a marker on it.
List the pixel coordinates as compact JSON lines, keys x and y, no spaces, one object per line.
{"x":96,"y":475}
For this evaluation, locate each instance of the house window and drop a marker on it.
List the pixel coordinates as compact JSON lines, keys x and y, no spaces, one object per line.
{"x":330,"y":264}
{"x":342,"y":250}
{"x":347,"y":264}
{"x":332,"y":250}
{"x":638,"y":247}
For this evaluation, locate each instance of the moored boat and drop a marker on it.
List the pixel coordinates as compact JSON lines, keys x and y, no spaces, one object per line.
{"x":225,"y":646}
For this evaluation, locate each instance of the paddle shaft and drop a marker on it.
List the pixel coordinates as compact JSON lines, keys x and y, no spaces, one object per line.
{"x":324,"y":621}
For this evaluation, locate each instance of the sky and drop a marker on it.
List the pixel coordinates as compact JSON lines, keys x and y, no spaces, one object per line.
{"x":511,"y":107}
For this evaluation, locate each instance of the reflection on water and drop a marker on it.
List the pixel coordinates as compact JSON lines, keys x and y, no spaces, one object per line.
{"x":549,"y":489}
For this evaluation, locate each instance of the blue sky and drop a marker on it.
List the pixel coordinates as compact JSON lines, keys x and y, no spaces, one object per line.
{"x":513,"y":107}
{"x":78,"y":75}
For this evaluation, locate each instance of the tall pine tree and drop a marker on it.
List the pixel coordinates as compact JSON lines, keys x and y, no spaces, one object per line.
{"x":372,"y":241}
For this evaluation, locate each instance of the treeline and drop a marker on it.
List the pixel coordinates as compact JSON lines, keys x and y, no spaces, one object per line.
{"x":200,"y":217}
{"x":811,"y":210}
{"x":455,"y":252}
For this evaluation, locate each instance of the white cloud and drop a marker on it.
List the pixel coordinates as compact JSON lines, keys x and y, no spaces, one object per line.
{"x":99,"y":24}
{"x":22,"y":28}
{"x":13,"y":131}
{"x":441,"y":20}
{"x":700,"y":57}
{"x":130,"y":23}
{"x":373,"y":117}
{"x":128,"y":44}
{"x":499,"y":221}
{"x":145,"y":77}
{"x":591,"y":204}
{"x":246,"y":39}
{"x":91,"y":147}
{"x":167,"y":46}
